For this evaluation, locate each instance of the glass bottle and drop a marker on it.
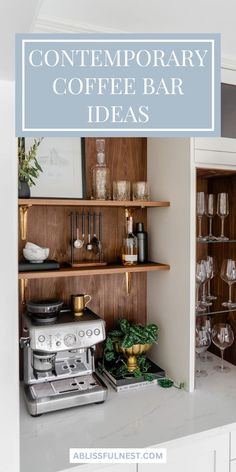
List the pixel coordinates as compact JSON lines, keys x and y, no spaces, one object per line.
{"x":142,"y":243}
{"x":101,"y":185}
{"x":130,"y":244}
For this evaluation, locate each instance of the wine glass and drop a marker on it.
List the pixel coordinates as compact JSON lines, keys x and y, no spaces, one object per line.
{"x":208,"y":267}
{"x":222,"y":212}
{"x":201,"y":211}
{"x":200,"y":279}
{"x":228,"y":274}
{"x":210,"y":212}
{"x":213,"y":274}
{"x":222,"y":337}
{"x":206,"y":323}
{"x":202,"y":343}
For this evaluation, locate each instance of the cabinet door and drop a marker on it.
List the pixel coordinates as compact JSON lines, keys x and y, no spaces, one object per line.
{"x":204,"y":455}
{"x":103,"y":468}
{"x":221,"y":150}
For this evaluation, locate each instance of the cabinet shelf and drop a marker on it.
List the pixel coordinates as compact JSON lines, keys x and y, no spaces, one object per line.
{"x":104,"y":270}
{"x":216,"y":308}
{"x":89,"y":203}
{"x":217,"y":242}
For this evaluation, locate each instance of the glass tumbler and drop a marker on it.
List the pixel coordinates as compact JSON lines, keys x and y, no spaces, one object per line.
{"x":121,"y":190}
{"x":141,"y":191}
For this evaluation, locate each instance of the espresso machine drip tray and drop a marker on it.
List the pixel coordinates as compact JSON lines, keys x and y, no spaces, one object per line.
{"x":45,"y":396}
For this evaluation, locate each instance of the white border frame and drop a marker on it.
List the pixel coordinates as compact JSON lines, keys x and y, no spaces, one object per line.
{"x":24,"y":41}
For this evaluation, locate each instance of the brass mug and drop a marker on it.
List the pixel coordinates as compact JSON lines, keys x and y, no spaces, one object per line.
{"x":79,"y":303}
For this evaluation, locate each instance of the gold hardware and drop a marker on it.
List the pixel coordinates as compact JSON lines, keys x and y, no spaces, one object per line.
{"x":23,"y":220}
{"x":23,"y":286}
{"x":128,"y":282}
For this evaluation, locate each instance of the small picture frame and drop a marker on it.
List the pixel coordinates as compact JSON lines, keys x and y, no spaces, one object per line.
{"x":62,"y":160}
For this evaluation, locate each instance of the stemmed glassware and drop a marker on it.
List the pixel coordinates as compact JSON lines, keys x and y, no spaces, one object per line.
{"x":222,"y":212}
{"x":201,"y":211}
{"x":208,"y":266}
{"x":213,"y":274}
{"x":206,"y":323}
{"x":201,"y":276}
{"x":222,"y":337}
{"x":210,"y":212}
{"x":202,"y":343}
{"x":228,"y":274}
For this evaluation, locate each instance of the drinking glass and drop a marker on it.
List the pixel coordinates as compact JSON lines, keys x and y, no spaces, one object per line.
{"x":222,"y":212}
{"x":222,"y":337}
{"x":208,"y":267}
{"x":201,"y":211}
{"x":200,"y":279}
{"x":206,"y":323}
{"x":202,"y":343}
{"x":141,"y":191}
{"x":121,"y":190}
{"x":228,"y":274}
{"x":214,"y":271}
{"x":210,"y":213}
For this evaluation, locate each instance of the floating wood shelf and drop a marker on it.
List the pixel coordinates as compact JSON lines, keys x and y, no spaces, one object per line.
{"x":89,"y":203}
{"x":104,"y":270}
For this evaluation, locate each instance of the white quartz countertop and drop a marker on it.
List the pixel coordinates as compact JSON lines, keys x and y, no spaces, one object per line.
{"x":138,"y":418}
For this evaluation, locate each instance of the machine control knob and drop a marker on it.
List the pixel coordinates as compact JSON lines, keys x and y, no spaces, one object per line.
{"x":69,"y":340}
{"x":81,"y":334}
{"x":41,"y":338}
{"x":58,"y":343}
{"x":89,"y":332}
{"x":97,"y":331}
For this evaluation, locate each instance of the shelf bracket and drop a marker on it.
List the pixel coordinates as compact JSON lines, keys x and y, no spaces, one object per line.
{"x":128,"y":282}
{"x":23,"y":286}
{"x":23,"y":220}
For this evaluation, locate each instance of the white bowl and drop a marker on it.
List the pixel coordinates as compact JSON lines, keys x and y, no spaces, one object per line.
{"x":36,"y":255}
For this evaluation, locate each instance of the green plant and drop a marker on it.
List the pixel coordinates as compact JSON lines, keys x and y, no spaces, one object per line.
{"x":127,"y":335}
{"x":28,"y":166}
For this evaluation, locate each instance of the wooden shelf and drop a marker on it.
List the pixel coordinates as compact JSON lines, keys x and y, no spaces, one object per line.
{"x":89,"y":203}
{"x":104,"y":270}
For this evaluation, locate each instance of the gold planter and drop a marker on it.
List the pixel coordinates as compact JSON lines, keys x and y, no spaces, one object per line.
{"x":131,"y":354}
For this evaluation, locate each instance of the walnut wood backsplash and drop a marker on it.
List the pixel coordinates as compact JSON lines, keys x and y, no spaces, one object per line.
{"x":50,"y":227}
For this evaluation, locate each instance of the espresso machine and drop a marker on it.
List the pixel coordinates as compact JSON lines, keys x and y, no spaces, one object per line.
{"x":59,"y":367}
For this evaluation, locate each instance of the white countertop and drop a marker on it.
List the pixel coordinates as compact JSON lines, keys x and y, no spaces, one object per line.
{"x":139,"y":418}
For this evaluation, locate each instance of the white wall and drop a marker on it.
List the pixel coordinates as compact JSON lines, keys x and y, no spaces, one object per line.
{"x":9,"y":387}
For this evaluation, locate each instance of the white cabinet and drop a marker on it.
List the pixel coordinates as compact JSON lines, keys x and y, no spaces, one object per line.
{"x":202,"y":455}
{"x":233,"y":444}
{"x":222,"y":150}
{"x":103,"y":468}
{"x":233,"y":466}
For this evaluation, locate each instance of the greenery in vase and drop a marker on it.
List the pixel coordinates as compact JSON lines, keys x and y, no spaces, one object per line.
{"x":127,"y":335}
{"x":28,"y":166}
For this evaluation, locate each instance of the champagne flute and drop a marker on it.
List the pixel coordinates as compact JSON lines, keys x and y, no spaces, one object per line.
{"x":208,"y":267}
{"x":210,"y":212}
{"x":222,"y":337}
{"x":201,"y":211}
{"x":202,"y":343}
{"x":200,"y":279}
{"x":213,"y":274}
{"x":228,"y":274}
{"x":222,"y":212}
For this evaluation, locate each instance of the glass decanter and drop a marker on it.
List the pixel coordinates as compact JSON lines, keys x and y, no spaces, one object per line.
{"x":101,"y":185}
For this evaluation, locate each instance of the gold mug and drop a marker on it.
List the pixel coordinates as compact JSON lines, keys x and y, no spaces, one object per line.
{"x":79,"y":303}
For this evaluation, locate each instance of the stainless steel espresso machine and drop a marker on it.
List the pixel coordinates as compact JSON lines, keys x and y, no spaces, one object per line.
{"x":59,"y":367}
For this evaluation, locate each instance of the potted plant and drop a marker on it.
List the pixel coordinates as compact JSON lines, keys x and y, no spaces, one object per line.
{"x":28,"y":166}
{"x":126,"y":347}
